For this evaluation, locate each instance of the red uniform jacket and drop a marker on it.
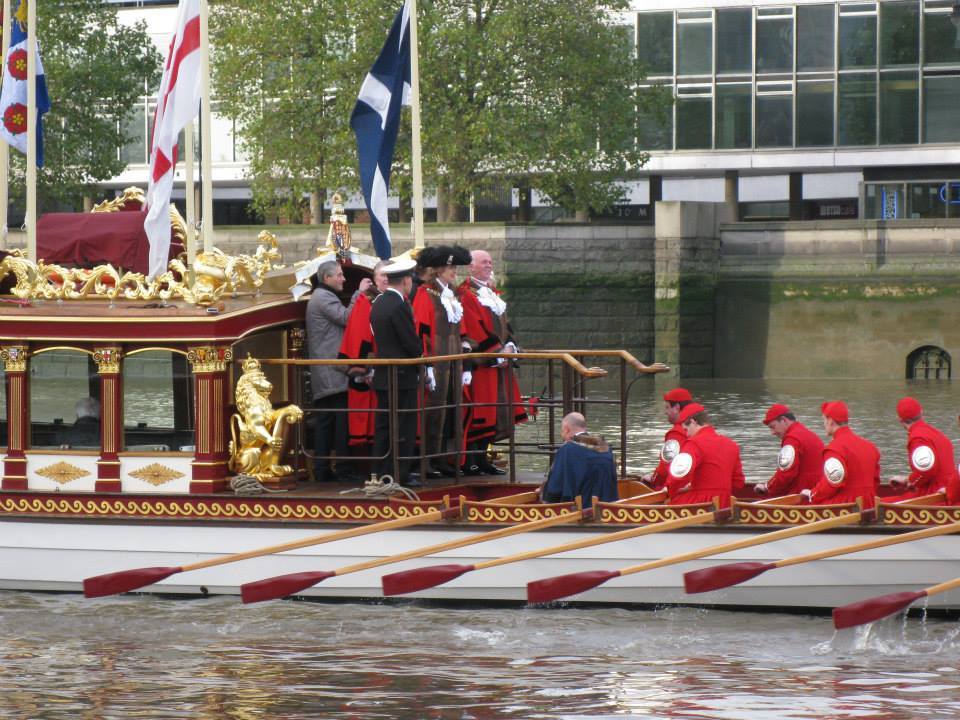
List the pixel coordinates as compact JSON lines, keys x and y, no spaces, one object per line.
{"x":675,"y":437}
{"x":486,"y":332}
{"x":932,"y":466}
{"x":800,"y":463}
{"x":358,"y":344}
{"x":856,"y":476}
{"x":710,"y":464}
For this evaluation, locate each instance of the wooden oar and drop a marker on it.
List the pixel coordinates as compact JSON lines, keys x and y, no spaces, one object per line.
{"x":867,"y":611}
{"x":562,"y":586}
{"x":408,"y":581}
{"x":721,"y":576}
{"x":127,"y":580}
{"x":284,"y":585}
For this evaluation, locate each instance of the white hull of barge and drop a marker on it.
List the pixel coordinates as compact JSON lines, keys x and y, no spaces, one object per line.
{"x":58,"y":555}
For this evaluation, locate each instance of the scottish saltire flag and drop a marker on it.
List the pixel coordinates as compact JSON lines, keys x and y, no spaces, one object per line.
{"x":376,"y":119}
{"x":178,"y":102}
{"x":13,"y":97}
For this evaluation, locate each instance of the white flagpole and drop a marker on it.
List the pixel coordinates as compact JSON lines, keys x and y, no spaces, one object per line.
{"x":188,"y":163}
{"x":206,"y":152}
{"x":415,"y":128}
{"x":31,"y":219}
{"x":4,"y":148}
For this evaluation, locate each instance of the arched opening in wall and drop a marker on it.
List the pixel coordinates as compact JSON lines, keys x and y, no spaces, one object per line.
{"x":928,"y":363}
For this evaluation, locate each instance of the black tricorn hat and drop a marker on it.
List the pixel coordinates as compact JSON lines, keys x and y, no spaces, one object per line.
{"x":443,"y":255}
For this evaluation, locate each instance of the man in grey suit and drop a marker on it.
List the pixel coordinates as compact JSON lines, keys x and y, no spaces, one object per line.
{"x":325,"y":322}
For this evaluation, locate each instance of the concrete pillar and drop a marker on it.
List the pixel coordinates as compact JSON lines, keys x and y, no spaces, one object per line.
{"x":655,"y":193}
{"x":731,"y":194}
{"x":687,"y":267}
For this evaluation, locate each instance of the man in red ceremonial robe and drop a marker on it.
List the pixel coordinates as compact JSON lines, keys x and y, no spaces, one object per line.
{"x":851,"y":464}
{"x":800,"y":462}
{"x":437,"y":314}
{"x":708,"y":464}
{"x":358,"y":344}
{"x":930,"y":456}
{"x":487,"y":329}
{"x":673,"y":402}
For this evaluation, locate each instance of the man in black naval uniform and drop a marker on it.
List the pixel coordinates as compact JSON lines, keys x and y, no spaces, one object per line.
{"x":395,"y":336}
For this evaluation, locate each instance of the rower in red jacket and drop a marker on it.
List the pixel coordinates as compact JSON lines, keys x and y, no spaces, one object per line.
{"x":851,"y":464}
{"x":930,"y":455}
{"x":800,"y":462}
{"x":708,"y":464}
{"x":673,"y":402}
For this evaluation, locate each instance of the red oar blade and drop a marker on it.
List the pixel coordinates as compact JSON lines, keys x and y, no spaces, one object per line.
{"x":561,"y":586}
{"x":281,"y":585}
{"x":408,"y":581}
{"x":721,"y":576}
{"x":125,"y":580}
{"x":866,"y":611}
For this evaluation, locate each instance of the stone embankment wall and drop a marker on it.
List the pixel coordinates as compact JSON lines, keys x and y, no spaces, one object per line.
{"x":712,"y":299}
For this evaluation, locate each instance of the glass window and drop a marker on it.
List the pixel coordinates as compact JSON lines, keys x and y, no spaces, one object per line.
{"x":655,"y":121}
{"x":734,"y":40}
{"x":815,"y":114}
{"x":733,"y":116}
{"x":858,"y":41}
{"x":941,"y":40}
{"x":693,"y":123}
{"x":941,"y":98}
{"x":134,"y":150}
{"x":815,"y":45}
{"x":884,"y":201}
{"x":694,"y":48}
{"x":926,"y":200}
{"x":157,"y":401}
{"x":774,"y":44}
{"x":899,"y":108}
{"x":655,"y":42}
{"x":774,"y":120}
{"x":64,"y":400}
{"x":857,"y":109}
{"x":899,"y":33}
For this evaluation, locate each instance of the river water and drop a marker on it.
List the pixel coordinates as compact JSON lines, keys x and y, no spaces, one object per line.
{"x":140,"y":656}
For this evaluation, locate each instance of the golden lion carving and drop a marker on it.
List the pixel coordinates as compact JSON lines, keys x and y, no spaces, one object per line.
{"x":256,"y":429}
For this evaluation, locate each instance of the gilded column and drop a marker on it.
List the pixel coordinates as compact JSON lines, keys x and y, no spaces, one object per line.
{"x":18,"y":416}
{"x":111,"y":418}
{"x":211,"y":415}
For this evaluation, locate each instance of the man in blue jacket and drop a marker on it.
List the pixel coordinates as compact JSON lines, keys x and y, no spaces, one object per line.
{"x":582,"y":466}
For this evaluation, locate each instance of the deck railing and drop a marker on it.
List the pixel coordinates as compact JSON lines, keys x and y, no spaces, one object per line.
{"x":563,"y":371}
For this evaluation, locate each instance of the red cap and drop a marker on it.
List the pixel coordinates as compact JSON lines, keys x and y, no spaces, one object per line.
{"x":909,"y":409}
{"x":774,"y":412}
{"x":836,"y":410}
{"x":678,"y":395}
{"x":689,"y":411}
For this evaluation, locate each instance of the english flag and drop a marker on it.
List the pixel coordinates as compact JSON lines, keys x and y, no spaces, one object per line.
{"x":178,"y":102}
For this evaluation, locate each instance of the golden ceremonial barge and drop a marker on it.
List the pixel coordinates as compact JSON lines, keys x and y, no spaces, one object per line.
{"x":159,"y":509}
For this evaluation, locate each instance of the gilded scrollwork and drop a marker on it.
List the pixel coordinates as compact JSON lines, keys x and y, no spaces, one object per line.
{"x":213,"y":276}
{"x":14,"y":358}
{"x":107,"y":360}
{"x":209,"y":358}
{"x":257,"y":430}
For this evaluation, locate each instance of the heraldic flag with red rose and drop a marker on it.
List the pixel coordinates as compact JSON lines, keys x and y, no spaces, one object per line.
{"x":13,"y":98}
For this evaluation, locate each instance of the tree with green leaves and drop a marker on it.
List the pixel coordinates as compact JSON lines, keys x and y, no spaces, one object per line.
{"x":285,"y":72}
{"x":97,"y":71}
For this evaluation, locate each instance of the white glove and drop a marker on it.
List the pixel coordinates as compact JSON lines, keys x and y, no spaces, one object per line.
{"x":760,"y":488}
{"x":431,"y":380}
{"x":807,"y":494}
{"x":510,"y":348}
{"x":467,"y":377}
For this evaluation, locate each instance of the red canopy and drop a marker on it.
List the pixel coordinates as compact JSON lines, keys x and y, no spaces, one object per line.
{"x":90,"y":239}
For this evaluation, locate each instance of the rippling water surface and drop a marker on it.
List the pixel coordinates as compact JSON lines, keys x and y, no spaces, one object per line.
{"x":65,"y":657}
{"x":140,"y":656}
